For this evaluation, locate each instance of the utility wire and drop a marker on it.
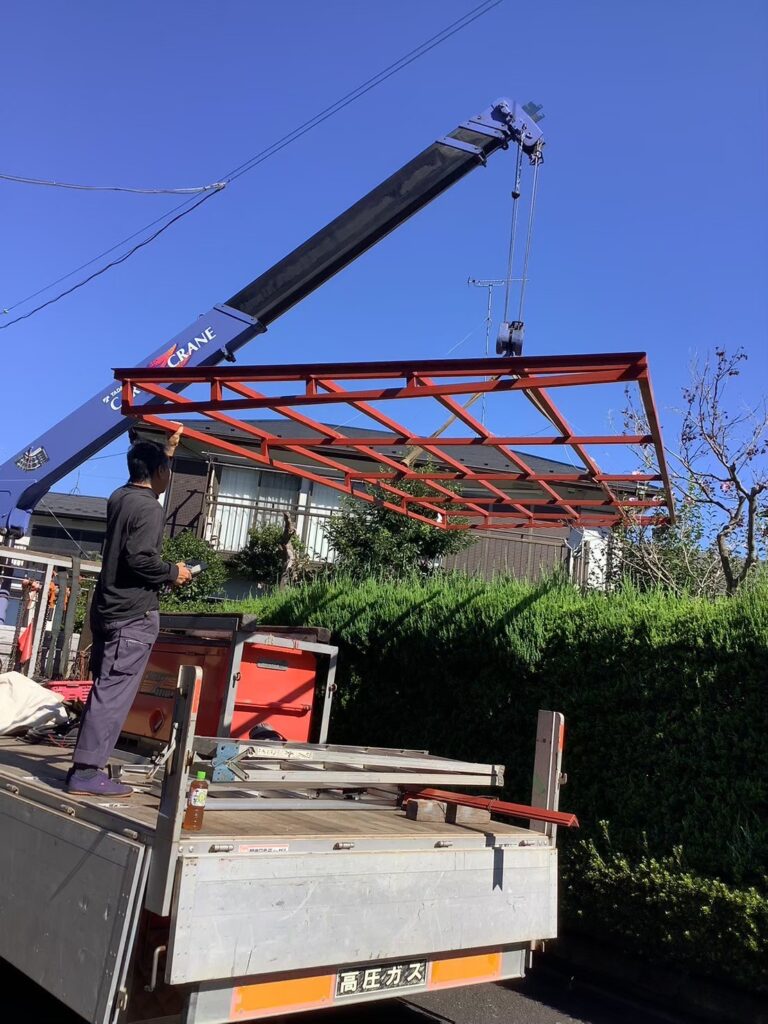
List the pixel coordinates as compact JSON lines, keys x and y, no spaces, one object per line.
{"x":19,"y":179}
{"x":419,"y":51}
{"x":106,"y":252}
{"x":107,"y":266}
{"x":381,"y":76}
{"x":50,"y":512}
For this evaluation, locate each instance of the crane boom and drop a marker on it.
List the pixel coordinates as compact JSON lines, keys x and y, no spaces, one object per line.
{"x":218,"y":334}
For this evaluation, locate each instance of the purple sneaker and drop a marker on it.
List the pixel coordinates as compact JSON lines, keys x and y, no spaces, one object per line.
{"x":87,"y":783}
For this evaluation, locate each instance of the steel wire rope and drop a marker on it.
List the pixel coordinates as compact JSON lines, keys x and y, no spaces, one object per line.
{"x":528,"y":238}
{"x":513,"y":230}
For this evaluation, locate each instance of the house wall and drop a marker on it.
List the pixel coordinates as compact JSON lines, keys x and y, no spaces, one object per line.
{"x":249,"y":497}
{"x":67,"y":535}
{"x":185,"y":501}
{"x":524,"y":555}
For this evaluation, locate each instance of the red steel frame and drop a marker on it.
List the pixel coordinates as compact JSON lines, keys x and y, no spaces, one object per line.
{"x":356,"y":385}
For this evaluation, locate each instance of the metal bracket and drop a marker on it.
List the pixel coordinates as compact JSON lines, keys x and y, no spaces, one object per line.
{"x":482,"y":127}
{"x":225,"y":766}
{"x":465,"y":147}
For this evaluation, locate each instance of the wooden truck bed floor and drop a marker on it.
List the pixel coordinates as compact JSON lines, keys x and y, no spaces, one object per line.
{"x":45,"y":767}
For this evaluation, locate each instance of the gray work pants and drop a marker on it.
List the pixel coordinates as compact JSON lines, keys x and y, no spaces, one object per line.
{"x":119,"y":658}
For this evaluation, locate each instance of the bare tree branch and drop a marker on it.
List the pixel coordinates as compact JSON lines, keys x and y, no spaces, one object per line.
{"x":289,"y":552}
{"x":719,"y":471}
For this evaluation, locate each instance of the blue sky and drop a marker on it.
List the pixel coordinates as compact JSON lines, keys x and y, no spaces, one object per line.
{"x":651,"y":222}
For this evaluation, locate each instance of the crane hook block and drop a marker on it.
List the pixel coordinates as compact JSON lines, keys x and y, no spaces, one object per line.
{"x":510,"y":339}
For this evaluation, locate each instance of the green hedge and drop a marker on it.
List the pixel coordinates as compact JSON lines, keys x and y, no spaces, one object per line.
{"x":663,"y":913}
{"x":666,"y":718}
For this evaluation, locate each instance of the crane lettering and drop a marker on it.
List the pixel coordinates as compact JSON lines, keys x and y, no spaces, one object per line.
{"x":174,"y":357}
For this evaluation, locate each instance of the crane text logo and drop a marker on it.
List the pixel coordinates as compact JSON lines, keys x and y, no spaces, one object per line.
{"x":174,"y":357}
{"x":178,"y":355}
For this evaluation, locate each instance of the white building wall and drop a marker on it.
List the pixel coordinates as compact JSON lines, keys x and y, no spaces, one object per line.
{"x":595,"y":546}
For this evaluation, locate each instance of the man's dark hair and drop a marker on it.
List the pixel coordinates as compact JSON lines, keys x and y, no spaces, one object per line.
{"x":144,"y":459}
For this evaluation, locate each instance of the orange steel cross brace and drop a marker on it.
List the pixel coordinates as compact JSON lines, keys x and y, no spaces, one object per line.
{"x":500,"y":807}
{"x":457,"y":495}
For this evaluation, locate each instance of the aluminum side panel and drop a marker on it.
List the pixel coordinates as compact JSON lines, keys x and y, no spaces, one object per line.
{"x":240,"y":916}
{"x":67,"y":901}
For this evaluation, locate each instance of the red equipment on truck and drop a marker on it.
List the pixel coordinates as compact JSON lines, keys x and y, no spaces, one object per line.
{"x":256,"y":680}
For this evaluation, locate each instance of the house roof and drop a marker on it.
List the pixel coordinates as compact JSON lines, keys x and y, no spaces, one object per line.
{"x":480,"y":458}
{"x":74,"y":506}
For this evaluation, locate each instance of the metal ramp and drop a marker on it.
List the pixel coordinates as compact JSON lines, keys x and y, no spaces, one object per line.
{"x":326,"y":766}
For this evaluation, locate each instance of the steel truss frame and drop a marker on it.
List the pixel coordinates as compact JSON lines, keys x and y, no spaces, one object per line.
{"x":234,"y":389}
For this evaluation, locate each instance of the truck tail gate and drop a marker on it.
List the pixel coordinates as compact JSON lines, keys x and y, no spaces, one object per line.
{"x":238,"y":915}
{"x":73,"y":933}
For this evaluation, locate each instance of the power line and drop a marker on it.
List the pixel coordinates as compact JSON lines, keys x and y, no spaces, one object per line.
{"x":402,"y":62}
{"x":106,"y":252}
{"x":107,"y":266}
{"x":381,"y":76}
{"x":49,"y":510}
{"x":19,"y":179}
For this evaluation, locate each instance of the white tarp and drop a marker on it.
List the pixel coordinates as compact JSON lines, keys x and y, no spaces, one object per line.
{"x":24,"y":704}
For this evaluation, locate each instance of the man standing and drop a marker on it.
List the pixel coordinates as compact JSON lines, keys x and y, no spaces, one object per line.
{"x":124,"y":615}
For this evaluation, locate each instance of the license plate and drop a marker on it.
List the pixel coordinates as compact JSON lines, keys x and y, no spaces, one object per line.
{"x":357,"y":981}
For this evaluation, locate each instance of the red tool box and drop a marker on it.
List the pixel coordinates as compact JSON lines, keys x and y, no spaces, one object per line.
{"x":253,"y":676}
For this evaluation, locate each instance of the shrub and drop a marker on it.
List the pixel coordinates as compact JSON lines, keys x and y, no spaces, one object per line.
{"x":261,"y":560}
{"x":186,"y":547}
{"x":665,"y":913}
{"x":372,"y":540}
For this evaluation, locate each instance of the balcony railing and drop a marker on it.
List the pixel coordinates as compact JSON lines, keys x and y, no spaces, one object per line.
{"x":232,"y":519}
{"x":525,"y":557}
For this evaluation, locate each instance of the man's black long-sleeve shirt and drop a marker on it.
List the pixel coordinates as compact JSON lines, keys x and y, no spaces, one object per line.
{"x":132,"y":570}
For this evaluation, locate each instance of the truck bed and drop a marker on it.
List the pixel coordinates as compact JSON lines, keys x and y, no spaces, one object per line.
{"x":44,"y":768}
{"x":257,"y":899}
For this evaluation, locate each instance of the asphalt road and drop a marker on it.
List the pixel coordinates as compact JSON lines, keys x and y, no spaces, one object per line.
{"x":541,"y":998}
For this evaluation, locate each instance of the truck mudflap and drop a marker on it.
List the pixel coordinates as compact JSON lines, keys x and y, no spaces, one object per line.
{"x":269,"y":910}
{"x":278,"y":995}
{"x":72,"y":933}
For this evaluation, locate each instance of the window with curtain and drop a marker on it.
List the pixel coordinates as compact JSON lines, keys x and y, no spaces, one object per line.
{"x":248,"y":498}
{"x":323,"y":502}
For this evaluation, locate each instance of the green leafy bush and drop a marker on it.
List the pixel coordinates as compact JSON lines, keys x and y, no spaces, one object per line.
{"x":666,"y":718}
{"x":665,"y":913}
{"x":371,"y":540}
{"x":186,"y":547}
{"x":261,"y":560}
